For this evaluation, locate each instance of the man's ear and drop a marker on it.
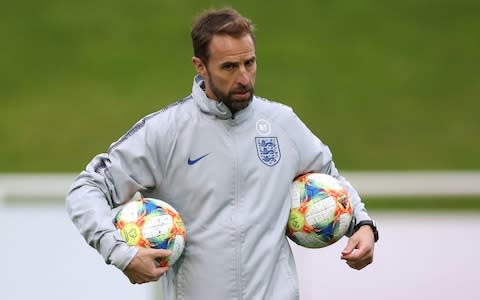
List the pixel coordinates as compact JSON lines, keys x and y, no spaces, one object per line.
{"x":199,"y":66}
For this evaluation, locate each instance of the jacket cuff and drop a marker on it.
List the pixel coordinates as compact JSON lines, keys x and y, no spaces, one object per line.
{"x":355,"y":221}
{"x":115,"y":250}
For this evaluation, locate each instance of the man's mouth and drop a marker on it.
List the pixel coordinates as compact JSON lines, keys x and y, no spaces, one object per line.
{"x":242,"y":94}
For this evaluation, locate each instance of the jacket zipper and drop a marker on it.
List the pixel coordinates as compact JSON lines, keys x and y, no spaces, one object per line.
{"x":237,"y":219}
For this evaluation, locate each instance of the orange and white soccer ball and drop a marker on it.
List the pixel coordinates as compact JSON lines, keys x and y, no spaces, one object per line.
{"x":321,"y":211}
{"x":152,"y":223}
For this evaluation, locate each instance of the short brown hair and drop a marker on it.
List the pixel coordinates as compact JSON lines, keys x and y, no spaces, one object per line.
{"x":223,"y":21}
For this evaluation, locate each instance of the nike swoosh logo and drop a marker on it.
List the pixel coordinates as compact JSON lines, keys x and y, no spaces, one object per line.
{"x":194,"y":161}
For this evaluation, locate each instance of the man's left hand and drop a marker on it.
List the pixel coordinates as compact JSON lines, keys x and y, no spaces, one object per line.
{"x":360,"y":247}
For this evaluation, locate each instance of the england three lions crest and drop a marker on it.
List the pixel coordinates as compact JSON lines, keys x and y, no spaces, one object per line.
{"x":268,"y":150}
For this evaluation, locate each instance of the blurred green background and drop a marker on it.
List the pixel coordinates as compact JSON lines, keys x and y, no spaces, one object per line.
{"x":388,"y":85}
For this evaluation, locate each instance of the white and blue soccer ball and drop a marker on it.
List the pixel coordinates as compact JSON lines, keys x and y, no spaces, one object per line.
{"x":321,"y":211}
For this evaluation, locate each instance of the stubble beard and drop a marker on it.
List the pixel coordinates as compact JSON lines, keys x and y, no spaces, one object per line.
{"x":228,"y":100}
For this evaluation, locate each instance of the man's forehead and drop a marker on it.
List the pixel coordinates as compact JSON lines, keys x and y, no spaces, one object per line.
{"x":226,"y":47}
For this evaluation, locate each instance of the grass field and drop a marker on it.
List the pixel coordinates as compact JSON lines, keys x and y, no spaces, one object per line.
{"x":388,"y":85}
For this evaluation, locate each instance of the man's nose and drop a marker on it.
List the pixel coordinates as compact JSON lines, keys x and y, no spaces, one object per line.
{"x":243,"y":76}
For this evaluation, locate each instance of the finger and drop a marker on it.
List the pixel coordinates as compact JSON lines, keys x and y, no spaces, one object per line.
{"x":163,"y":270}
{"x":136,"y":280}
{"x":159,"y":272}
{"x":160,"y":253}
{"x":359,"y":255}
{"x":356,"y":254}
{"x":360,"y":251}
{"x":152,"y":275}
{"x":351,"y":245}
{"x":348,"y":255}
{"x":359,"y":264}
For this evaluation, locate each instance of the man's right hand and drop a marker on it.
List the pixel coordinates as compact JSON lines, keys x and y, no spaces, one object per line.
{"x":144,"y":266}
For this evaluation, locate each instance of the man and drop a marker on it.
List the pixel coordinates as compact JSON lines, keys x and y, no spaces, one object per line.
{"x":203,"y":156}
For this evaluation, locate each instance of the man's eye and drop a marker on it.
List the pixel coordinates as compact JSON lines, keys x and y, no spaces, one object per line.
{"x":228,"y":67}
{"x":250,"y":62}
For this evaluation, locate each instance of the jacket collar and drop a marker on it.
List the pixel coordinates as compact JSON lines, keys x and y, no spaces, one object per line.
{"x":207,"y":105}
{"x":214,"y":107}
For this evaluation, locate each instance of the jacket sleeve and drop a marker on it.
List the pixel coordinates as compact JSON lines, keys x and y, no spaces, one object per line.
{"x":314,"y":156}
{"x":109,"y":180}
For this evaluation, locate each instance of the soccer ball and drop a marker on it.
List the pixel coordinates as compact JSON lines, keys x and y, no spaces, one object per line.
{"x":152,"y":223}
{"x":321,"y":211}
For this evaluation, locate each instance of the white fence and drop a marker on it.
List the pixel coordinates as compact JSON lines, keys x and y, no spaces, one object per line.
{"x":373,"y":184}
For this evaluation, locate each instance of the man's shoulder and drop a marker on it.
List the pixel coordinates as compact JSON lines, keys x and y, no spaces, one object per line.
{"x":168,"y":118}
{"x":172,"y":110}
{"x":273,"y":107}
{"x":174,"y":106}
{"x":161,"y":123}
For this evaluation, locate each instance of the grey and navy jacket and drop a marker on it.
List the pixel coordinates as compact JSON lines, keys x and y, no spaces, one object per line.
{"x":228,"y":176}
